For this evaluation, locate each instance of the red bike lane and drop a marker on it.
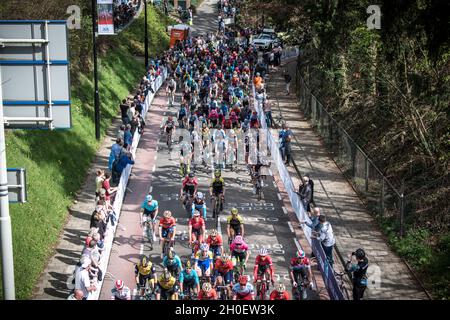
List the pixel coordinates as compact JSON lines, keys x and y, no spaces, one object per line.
{"x":128,"y":239}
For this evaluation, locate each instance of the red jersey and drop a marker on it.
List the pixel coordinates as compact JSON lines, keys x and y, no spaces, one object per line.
{"x":212,"y":295}
{"x":197,"y":224}
{"x":214,"y":242}
{"x":167,"y":222}
{"x":274,"y":295}
{"x":187,"y":182}
{"x":222,"y":267}
{"x":298,"y":263}
{"x":265,"y":262}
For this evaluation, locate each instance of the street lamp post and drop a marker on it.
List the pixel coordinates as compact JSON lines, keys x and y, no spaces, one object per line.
{"x":96,"y":94}
{"x":146,"y":35}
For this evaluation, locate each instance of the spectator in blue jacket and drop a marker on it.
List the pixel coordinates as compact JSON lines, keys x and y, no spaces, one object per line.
{"x":128,"y":137}
{"x":115,"y":151}
{"x":125,"y":159}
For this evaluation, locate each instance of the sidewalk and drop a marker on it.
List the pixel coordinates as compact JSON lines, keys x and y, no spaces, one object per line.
{"x":353,"y":226}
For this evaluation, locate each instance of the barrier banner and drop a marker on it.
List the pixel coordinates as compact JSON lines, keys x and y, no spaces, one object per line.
{"x":122,"y":187}
{"x":105,"y":17}
{"x":289,"y":53}
{"x":325,"y":268}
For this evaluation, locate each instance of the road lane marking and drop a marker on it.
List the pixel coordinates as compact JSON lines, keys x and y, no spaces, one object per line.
{"x":150,"y":190}
{"x":156,"y":156}
{"x":279,"y":196}
{"x":154,"y":168}
{"x":284,"y":210}
{"x":270,"y":172}
{"x":290,"y":227}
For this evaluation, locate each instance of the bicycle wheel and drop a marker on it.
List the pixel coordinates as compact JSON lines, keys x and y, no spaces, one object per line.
{"x":262,"y":291}
{"x":149,"y":232}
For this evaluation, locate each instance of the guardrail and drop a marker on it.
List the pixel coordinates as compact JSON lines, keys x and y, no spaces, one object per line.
{"x":121,"y":188}
{"x":326,"y":270}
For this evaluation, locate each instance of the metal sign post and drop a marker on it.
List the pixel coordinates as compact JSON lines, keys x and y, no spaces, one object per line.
{"x":5,"y":220}
{"x":17,"y":186}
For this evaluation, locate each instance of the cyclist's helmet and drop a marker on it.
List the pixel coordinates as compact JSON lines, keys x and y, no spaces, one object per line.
{"x":119,"y":284}
{"x":170,"y":118}
{"x":166,"y":274}
{"x":214,"y":233}
{"x":263,"y":252}
{"x":360,"y":254}
{"x":187,"y":265}
{"x":300,"y":254}
{"x":170,"y":255}
{"x":196,"y":213}
{"x":167,"y":214}
{"x":144,"y":261}
{"x":234,"y":211}
{"x":206,"y":287}
{"x":238,"y":240}
{"x":225,"y":257}
{"x":243,"y":280}
{"x":217,"y":174}
{"x":200,"y":195}
{"x":191,"y":175}
{"x":281,"y":288}
{"x":204,"y":247}
{"x":149,"y":198}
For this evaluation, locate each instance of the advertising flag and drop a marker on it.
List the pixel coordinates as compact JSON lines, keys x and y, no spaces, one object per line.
{"x":105,"y":17}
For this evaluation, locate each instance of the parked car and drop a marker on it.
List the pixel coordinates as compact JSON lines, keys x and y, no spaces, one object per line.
{"x":266,"y":41}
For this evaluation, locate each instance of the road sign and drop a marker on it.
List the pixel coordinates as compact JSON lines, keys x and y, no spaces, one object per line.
{"x":17,"y":185}
{"x":35,"y":74}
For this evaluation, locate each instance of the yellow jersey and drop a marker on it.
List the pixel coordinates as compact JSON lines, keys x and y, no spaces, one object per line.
{"x":166,"y":284}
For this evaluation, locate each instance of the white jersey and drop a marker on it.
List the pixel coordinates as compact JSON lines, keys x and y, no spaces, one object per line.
{"x":123,"y":294}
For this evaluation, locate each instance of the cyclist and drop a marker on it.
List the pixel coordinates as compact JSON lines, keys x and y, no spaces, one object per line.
{"x":182,"y":116}
{"x":173,"y":263}
{"x":223,"y":290}
{"x":171,"y":89}
{"x":196,"y":229}
{"x":184,"y":167}
{"x":149,"y":209}
{"x":120,"y":291}
{"x":279,"y":293}
{"x":263,"y":265}
{"x":359,"y":269}
{"x":166,"y":229}
{"x":243,"y":290}
{"x":217,"y":187}
{"x":207,"y":292}
{"x":300,"y":271}
{"x":189,"y":280}
{"x":166,"y":287}
{"x":189,"y":186}
{"x":223,"y":267}
{"x":235,"y":225}
{"x":204,"y":261}
{"x":215,"y":243}
{"x":199,"y":204}
{"x":239,"y":250}
{"x":145,"y":271}
{"x":169,"y":129}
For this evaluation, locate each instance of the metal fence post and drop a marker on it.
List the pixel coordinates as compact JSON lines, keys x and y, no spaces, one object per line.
{"x":402,"y":209}
{"x":382,"y":197}
{"x":367,"y":175}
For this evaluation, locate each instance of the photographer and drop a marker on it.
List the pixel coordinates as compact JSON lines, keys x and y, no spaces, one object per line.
{"x":359,"y":268}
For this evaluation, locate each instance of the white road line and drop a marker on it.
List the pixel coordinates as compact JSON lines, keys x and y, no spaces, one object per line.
{"x":156,"y":149}
{"x":156,"y":156}
{"x":284,"y":210}
{"x":290,"y":227}
{"x":219,"y":229}
{"x":297,"y":244}
{"x":270,"y":172}
{"x":154,"y":168}
{"x":150,"y":190}
{"x":279,"y":196}
{"x":141,"y":251}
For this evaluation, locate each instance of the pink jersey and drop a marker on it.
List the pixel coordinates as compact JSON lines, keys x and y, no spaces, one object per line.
{"x":242,"y":248}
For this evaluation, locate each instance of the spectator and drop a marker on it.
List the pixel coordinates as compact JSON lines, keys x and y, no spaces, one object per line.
{"x":82,"y":280}
{"x":115,"y":152}
{"x":326,"y":237}
{"x":304,"y":191}
{"x":359,"y":270}
{"x":100,"y":176}
{"x":124,"y":111}
{"x":314,"y":216}
{"x":98,"y":220}
{"x":76,"y":295}
{"x":91,"y":251}
{"x":285,"y":137}
{"x":125,"y":159}
{"x":121,"y":132}
{"x":267,"y":107}
{"x":107,"y":186}
{"x":287,"y":80}
{"x":127,"y":137}
{"x":131,"y":111}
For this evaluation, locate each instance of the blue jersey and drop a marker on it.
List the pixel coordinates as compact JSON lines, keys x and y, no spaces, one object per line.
{"x":175,"y":263}
{"x":192,"y":276}
{"x":150,"y":207}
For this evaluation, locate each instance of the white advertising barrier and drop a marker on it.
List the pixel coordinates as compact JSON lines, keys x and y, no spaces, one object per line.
{"x":121,"y":189}
{"x":289,"y":53}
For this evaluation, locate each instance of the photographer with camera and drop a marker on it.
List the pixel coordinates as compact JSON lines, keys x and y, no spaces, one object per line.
{"x":358,"y":267}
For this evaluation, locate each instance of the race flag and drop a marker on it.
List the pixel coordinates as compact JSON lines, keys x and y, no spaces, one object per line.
{"x":105,"y":17}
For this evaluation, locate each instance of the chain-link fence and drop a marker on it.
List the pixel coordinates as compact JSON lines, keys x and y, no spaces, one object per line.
{"x":381,"y":196}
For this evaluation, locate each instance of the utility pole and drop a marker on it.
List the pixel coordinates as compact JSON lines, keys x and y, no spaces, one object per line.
{"x":9,"y":292}
{"x":94,"y":46}
{"x":146,"y":35}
